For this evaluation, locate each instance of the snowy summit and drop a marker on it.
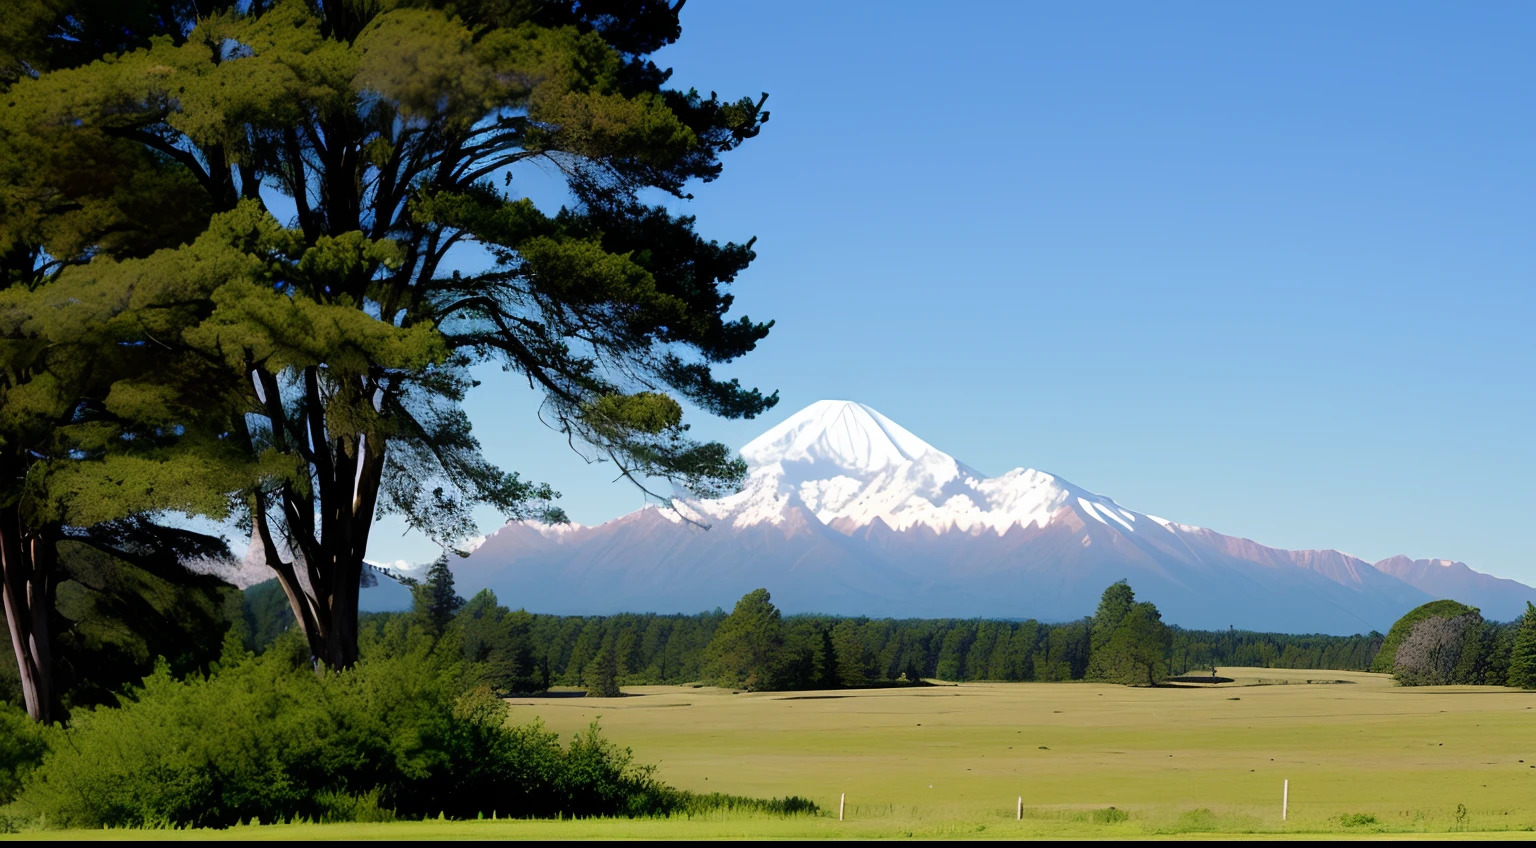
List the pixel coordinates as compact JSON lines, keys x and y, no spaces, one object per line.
{"x":845,"y":511}
{"x":850,"y":466}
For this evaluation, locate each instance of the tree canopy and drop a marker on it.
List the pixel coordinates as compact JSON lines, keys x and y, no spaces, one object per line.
{"x":745,"y":650}
{"x":1128,"y":641}
{"x":1386,"y":657}
{"x":434,"y":599}
{"x":1522,"y":661}
{"x":275,"y":190}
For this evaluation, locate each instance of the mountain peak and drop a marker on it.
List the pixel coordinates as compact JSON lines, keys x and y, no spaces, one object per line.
{"x":846,"y":435}
{"x":847,"y":512}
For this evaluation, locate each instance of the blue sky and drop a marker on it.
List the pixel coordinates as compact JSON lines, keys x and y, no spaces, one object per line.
{"x":1266,"y":268}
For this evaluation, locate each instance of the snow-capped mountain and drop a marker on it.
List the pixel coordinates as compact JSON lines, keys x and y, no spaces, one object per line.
{"x":844,"y":511}
{"x":849,"y":466}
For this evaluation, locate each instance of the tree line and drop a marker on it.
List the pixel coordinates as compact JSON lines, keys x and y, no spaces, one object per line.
{"x":756,"y":647}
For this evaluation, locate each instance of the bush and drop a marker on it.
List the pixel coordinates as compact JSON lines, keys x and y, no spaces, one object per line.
{"x":267,"y":738}
{"x":1110,"y":815}
{"x":22,"y":746}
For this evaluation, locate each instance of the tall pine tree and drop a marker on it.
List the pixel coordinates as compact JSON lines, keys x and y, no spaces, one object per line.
{"x":747,"y":645}
{"x":393,"y":133}
{"x":435,"y":601}
{"x":1522,"y":661}
{"x":1114,"y":605}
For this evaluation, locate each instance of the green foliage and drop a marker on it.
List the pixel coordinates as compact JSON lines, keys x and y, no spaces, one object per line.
{"x":434,"y":599}
{"x":516,"y":651}
{"x":496,"y":642}
{"x":23,"y":743}
{"x":266,"y":737}
{"x":1110,"y":815}
{"x":1136,"y":654}
{"x":1114,"y":605}
{"x":1445,"y":642}
{"x":265,"y":614}
{"x":1522,"y":662}
{"x":1387,"y":655}
{"x":119,"y":617}
{"x":116,"y":617}
{"x":747,"y":645}
{"x":1128,"y":642}
{"x":952,"y":654}
{"x":330,"y":358}
{"x":601,"y":675}
{"x":851,"y":657}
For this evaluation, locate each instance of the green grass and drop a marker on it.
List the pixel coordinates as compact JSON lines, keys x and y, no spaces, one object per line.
{"x":1363,"y":757}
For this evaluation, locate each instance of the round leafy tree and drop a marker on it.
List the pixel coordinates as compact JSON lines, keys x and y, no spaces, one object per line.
{"x":1400,"y":631}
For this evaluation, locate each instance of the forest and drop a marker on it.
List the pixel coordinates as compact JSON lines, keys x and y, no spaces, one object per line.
{"x":530,"y":652}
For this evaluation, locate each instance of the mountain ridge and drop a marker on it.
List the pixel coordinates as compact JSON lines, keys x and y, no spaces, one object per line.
{"x":846,"y":512}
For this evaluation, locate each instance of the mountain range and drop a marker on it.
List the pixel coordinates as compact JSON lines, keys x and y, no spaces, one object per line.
{"x":846,"y":512}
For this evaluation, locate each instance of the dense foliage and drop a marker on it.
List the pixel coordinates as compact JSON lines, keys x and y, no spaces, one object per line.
{"x":226,"y":266}
{"x":1128,"y":642}
{"x":22,"y":746}
{"x":1522,"y":660}
{"x":435,"y":599}
{"x":1385,"y":658}
{"x":1445,"y":642}
{"x":747,"y":650}
{"x":406,"y":732}
{"x":525,"y":652}
{"x":115,"y":618}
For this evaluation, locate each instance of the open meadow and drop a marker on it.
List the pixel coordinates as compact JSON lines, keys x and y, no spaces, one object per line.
{"x":1362,"y":756}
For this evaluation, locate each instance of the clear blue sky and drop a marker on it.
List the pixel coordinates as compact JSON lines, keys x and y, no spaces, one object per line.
{"x":1266,"y":268}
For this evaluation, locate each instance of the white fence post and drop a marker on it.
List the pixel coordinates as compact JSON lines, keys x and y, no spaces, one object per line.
{"x":1285,"y":800}
{"x":841,"y":800}
{"x":1021,"y":808}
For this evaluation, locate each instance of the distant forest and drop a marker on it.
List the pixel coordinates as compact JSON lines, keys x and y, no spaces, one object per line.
{"x":526,"y":652}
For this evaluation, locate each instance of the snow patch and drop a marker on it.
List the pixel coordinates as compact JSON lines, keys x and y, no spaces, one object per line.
{"x":845,"y":462}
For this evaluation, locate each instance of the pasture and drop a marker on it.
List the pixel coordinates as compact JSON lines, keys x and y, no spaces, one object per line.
{"x":1362,"y":757}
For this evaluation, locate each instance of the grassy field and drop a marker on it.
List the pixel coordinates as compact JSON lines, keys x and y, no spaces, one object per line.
{"x":1362,"y":757}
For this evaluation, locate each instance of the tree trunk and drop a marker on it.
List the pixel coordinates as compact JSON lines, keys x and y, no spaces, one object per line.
{"x":333,"y":550}
{"x":28,"y":575}
{"x":341,"y":637}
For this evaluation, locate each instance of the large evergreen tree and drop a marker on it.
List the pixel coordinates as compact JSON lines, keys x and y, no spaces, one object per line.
{"x":434,"y":599}
{"x":393,"y":132}
{"x":1114,"y":605}
{"x":601,"y":674}
{"x":1128,"y":641}
{"x":98,"y":432}
{"x":747,"y":645}
{"x":1522,"y":661}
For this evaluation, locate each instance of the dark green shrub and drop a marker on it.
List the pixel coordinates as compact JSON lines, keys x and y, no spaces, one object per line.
{"x":267,"y":738}
{"x":1358,"y":820}
{"x":22,"y":746}
{"x":1110,"y":815}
